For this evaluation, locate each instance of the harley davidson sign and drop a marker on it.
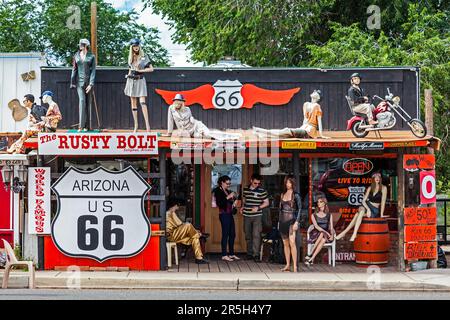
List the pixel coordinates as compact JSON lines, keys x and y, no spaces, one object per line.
{"x":362,"y":146}
{"x":97,"y":143}
{"x":358,"y":166}
{"x":100,"y":213}
{"x":230,"y":94}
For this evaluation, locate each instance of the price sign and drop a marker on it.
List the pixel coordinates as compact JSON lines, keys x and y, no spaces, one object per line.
{"x":427,"y":215}
{"x":100,"y":213}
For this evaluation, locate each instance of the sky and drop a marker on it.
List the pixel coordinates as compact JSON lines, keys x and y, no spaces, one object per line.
{"x":179,"y":56}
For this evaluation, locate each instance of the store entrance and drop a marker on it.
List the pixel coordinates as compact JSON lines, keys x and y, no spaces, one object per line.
{"x":239,"y":175}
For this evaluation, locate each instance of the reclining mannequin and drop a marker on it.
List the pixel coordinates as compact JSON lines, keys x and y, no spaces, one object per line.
{"x":311,"y":127}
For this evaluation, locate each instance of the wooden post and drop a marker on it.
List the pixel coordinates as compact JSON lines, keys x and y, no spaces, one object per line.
{"x":94,"y":30}
{"x":429,"y":122}
{"x":400,"y":209}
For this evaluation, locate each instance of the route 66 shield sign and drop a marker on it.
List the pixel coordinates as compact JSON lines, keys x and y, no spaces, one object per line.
{"x":100,"y":213}
{"x":227,"y":94}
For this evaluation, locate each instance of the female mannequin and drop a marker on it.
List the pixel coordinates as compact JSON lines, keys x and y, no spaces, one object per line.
{"x":136,"y":86}
{"x":312,"y":122}
{"x":373,"y":204}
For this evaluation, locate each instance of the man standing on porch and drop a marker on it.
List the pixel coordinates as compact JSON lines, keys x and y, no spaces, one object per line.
{"x":255,"y":199}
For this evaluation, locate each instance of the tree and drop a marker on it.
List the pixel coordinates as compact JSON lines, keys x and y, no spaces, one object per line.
{"x":272,"y":32}
{"x":48,"y":26}
{"x":425,"y":42}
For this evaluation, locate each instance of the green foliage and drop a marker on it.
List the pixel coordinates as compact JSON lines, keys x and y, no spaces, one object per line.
{"x":425,"y":42}
{"x":41,"y":25}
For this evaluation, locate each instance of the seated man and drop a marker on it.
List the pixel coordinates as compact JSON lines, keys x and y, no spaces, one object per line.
{"x":359,"y":100}
{"x":184,"y":233}
{"x":35,"y":123}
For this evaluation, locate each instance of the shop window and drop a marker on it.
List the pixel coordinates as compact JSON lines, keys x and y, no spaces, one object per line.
{"x":180,"y":185}
{"x":344,"y":181}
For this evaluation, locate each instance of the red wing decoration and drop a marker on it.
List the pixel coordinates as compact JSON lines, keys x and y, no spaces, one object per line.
{"x":202,"y":95}
{"x":252,"y":95}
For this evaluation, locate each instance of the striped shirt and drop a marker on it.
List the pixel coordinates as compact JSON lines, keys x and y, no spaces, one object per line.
{"x":253,"y":198}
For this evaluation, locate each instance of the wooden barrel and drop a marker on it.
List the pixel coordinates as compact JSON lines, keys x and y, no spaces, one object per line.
{"x":372,"y":242}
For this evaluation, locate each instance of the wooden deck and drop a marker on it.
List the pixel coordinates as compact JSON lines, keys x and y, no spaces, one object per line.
{"x":217,"y":265}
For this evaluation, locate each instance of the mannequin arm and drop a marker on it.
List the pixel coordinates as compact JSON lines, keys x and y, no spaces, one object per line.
{"x":169,"y":122}
{"x":383,"y":200}
{"x":319,"y":121}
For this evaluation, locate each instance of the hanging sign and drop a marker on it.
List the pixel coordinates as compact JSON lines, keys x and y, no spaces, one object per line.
{"x":100,"y":213}
{"x":413,"y":162}
{"x":427,"y":187}
{"x":230,"y":94}
{"x":420,"y":233}
{"x":39,"y":200}
{"x":423,"y":216}
{"x":97,"y":143}
{"x":420,"y":250}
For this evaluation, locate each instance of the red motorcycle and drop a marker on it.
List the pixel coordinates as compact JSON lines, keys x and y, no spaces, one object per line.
{"x":384,"y":113}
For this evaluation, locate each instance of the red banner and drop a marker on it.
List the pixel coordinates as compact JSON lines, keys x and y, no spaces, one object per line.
{"x":420,"y":233}
{"x":422,"y":216}
{"x":422,"y":250}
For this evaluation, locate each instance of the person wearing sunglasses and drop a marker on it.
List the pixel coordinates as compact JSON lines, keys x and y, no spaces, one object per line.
{"x":255,"y":198}
{"x":225,"y":199}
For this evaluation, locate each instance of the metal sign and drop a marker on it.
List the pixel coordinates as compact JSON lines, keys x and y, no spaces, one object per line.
{"x":100,"y":213}
{"x":427,"y":187}
{"x":366,"y":146}
{"x":97,"y":143}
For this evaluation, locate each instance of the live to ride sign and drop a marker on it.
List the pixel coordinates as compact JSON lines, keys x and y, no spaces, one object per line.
{"x":100,"y":213}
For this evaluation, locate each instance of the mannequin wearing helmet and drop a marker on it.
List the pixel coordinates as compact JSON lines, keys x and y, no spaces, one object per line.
{"x":136,"y":86}
{"x":359,"y":100}
{"x":83,"y":79}
{"x":311,"y":126}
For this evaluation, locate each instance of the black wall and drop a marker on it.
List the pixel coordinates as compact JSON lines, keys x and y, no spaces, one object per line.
{"x":115,"y":110}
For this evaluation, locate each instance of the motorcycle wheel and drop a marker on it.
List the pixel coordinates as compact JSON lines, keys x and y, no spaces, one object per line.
{"x":357,"y":131}
{"x":418,"y":128}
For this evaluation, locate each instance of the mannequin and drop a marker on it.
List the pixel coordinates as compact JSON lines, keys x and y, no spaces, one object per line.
{"x":47,"y":123}
{"x":83,"y":69}
{"x":185,"y":122}
{"x":312,"y":122}
{"x":373,"y":205}
{"x":136,"y":86}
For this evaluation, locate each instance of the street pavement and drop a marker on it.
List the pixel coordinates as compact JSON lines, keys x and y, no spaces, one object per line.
{"x":427,"y":280}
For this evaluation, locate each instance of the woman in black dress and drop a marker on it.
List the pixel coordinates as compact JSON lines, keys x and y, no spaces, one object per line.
{"x":289,"y":217}
{"x":224,"y":200}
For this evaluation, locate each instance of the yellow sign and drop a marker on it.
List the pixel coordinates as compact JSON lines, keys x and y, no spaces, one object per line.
{"x":298,"y":145}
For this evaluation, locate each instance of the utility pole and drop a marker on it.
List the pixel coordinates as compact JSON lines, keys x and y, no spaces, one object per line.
{"x":94,"y":30}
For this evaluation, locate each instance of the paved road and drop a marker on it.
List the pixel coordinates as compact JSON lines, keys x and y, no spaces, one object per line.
{"x":19,"y":294}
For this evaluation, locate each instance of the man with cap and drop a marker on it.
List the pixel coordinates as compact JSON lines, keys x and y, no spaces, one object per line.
{"x":359,"y":100}
{"x":84,"y":69}
{"x":35,"y":123}
{"x":190,"y":127}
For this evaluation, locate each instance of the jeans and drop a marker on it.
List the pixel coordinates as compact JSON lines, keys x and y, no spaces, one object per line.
{"x":228,"y":233}
{"x":374,"y":211}
{"x":252,"y":229}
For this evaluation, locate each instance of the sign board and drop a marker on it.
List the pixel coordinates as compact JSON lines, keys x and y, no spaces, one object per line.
{"x":427,"y":187}
{"x":420,"y":233}
{"x":97,"y":143}
{"x":39,"y":200}
{"x":358,"y":166}
{"x":418,"y":161}
{"x":298,"y":145}
{"x":421,"y":250}
{"x":100,"y":213}
{"x":366,"y":146}
{"x":423,"y":216}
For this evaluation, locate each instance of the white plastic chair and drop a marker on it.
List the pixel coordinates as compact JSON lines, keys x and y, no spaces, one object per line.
{"x":11,"y":261}
{"x":170,"y":246}
{"x":331,"y":246}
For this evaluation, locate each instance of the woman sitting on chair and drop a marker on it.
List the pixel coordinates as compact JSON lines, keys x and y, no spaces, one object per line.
{"x":373,"y":203}
{"x":323,"y":230}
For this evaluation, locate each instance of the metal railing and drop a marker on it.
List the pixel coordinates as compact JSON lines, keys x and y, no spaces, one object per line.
{"x":443,"y":208}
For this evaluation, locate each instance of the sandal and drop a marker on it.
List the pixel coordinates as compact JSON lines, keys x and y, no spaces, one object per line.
{"x":227,"y":258}
{"x":286,"y":269}
{"x":234,"y":257}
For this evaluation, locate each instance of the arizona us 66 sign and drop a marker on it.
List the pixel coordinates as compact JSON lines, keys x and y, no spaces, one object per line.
{"x":100,"y":213}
